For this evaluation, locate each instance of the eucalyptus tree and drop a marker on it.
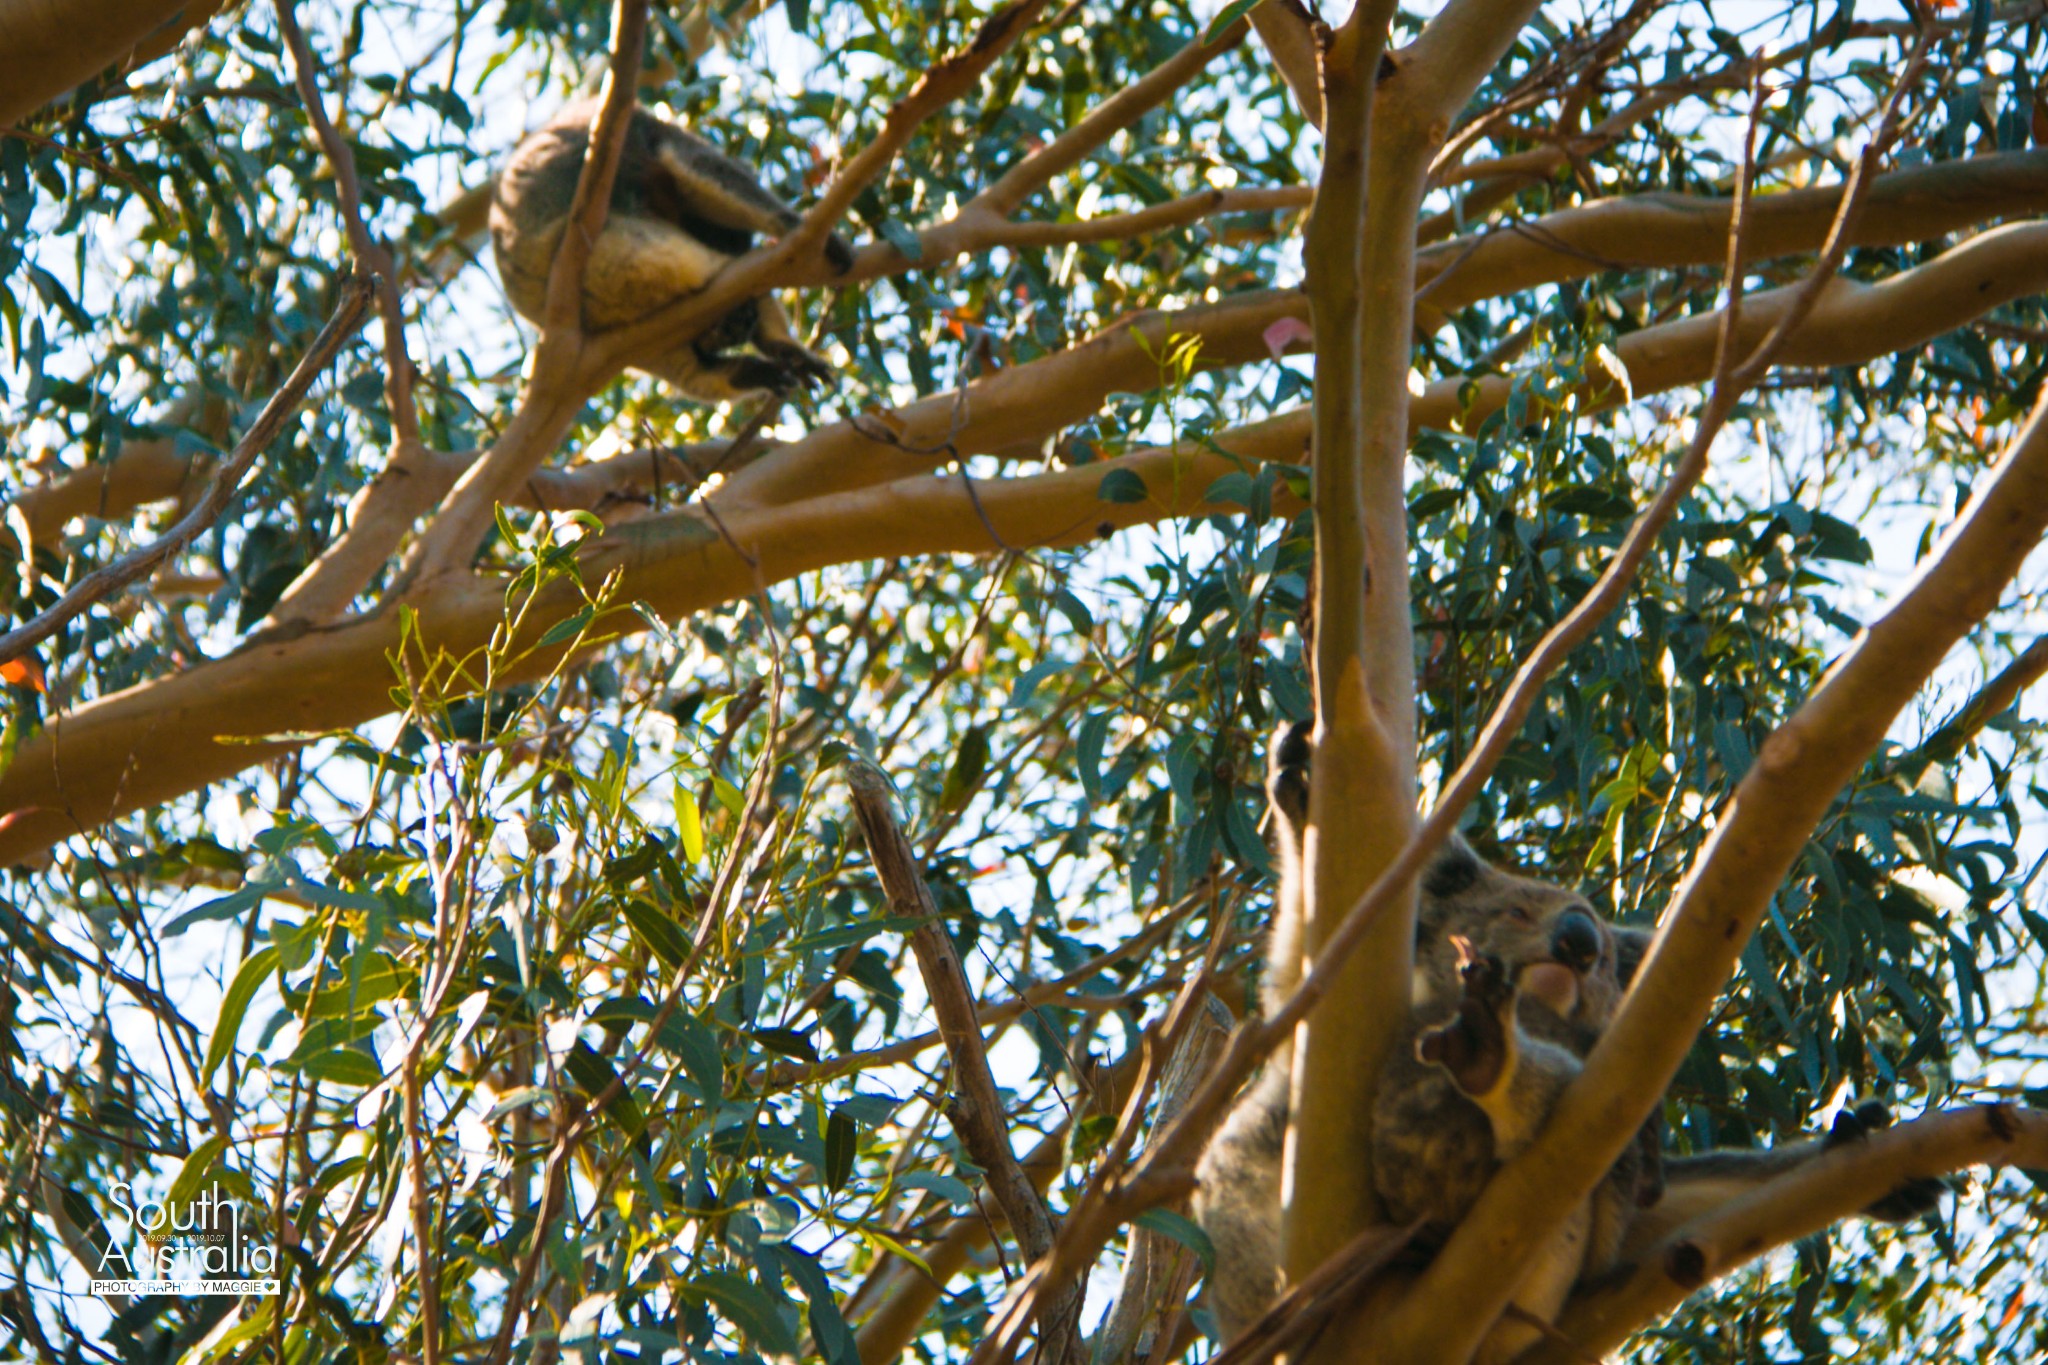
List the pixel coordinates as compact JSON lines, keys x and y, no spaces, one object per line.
{"x":585,"y":872}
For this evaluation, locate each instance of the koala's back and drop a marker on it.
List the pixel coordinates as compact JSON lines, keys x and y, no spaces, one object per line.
{"x":653,"y":248}
{"x":1237,"y":1202}
{"x":1432,"y":1148}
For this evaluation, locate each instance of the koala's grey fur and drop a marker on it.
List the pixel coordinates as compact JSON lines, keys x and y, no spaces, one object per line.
{"x":680,"y":209}
{"x":1471,"y":1081}
{"x":1434,"y":1147}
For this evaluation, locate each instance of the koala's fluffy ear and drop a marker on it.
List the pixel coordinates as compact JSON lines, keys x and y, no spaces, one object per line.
{"x":1453,"y":870}
{"x":1631,"y":946}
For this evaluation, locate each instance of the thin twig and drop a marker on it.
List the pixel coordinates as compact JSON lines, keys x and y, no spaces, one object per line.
{"x":607,"y":137}
{"x":1103,"y":122}
{"x":2026,"y":669}
{"x":373,"y":254}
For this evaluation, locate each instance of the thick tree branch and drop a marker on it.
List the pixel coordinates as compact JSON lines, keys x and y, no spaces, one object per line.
{"x":1737,"y":367}
{"x":161,"y":739}
{"x":1454,"y":52}
{"x":1833,"y":1186}
{"x":145,"y":469}
{"x":1025,"y":403}
{"x":591,"y":204}
{"x":1004,"y":410}
{"x":1288,"y":32}
{"x":1382,"y":132}
{"x":1646,"y":231}
{"x":50,"y":46}
{"x":1013,"y":406}
{"x":1300,"y":1315}
{"x":1359,"y":256}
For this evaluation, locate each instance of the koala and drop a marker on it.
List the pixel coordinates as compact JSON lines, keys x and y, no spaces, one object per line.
{"x":1434,"y":1148}
{"x":680,"y":209}
{"x":1515,"y":981}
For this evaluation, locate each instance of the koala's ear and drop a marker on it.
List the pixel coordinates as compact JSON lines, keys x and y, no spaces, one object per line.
{"x":1453,"y":870}
{"x":1630,"y":947}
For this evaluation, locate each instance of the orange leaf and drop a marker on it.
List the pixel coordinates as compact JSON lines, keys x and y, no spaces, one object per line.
{"x":27,"y":671}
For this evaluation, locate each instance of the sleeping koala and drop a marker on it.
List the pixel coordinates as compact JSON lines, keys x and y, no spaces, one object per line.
{"x":680,"y":209}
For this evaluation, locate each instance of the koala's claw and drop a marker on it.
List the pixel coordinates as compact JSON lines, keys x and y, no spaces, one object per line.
{"x":838,"y":254}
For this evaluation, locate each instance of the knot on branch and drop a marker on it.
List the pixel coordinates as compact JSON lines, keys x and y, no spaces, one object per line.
{"x":2003,"y":1121}
{"x":1686,"y":1264}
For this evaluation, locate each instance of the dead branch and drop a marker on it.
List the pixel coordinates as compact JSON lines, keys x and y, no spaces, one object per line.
{"x":977,"y":1110}
{"x":1142,"y":1325}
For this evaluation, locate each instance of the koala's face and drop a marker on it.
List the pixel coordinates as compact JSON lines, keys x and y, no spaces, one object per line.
{"x":1560,"y":951}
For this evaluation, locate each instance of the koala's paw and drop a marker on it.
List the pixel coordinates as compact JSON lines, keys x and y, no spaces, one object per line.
{"x":1473,"y":1044}
{"x":1917,"y":1196}
{"x":1859,"y":1120}
{"x":1287,"y":763}
{"x":838,"y":254}
{"x":794,"y":366}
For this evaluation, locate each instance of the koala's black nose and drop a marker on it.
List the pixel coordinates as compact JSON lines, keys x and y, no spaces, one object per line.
{"x":1575,"y":940}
